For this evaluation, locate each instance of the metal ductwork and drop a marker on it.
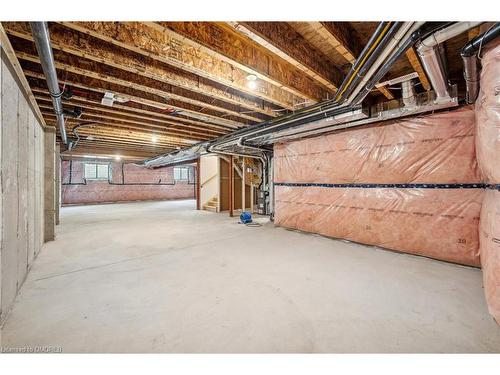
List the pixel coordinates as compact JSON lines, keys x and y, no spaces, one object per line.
{"x":431,"y":57}
{"x":41,"y":38}
{"x":390,"y":41}
{"x":471,"y":61}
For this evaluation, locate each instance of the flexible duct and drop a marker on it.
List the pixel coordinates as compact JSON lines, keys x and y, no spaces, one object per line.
{"x":41,"y":38}
{"x":431,"y":57}
{"x":471,"y":63}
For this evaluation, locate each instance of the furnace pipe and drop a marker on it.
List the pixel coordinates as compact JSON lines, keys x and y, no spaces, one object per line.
{"x":41,"y":38}
{"x":471,"y":61}
{"x":431,"y":58}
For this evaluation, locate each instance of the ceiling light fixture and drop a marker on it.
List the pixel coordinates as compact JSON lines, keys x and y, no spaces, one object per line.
{"x":154,"y":138}
{"x":118,"y":158}
{"x":252,"y":81}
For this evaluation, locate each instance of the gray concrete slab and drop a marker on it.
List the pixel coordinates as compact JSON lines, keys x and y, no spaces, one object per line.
{"x":162,"y":277}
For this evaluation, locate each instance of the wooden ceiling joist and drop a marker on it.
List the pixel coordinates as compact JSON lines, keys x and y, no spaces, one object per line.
{"x":81,"y":45}
{"x":147,"y":124}
{"x":172,"y":48}
{"x":123,"y":146}
{"x":132,"y":94}
{"x":110,"y":152}
{"x":281,"y":39}
{"x":340,"y":37}
{"x":220,"y":41}
{"x":134,"y":117}
{"x":88,"y":68}
{"x":132,"y":108}
{"x":120,"y":123}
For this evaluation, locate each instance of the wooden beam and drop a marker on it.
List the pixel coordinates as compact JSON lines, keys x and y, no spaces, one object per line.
{"x":417,"y":66}
{"x":88,"y":68}
{"x":172,"y":48}
{"x":102,"y":52}
{"x":281,"y":39}
{"x":342,"y":37}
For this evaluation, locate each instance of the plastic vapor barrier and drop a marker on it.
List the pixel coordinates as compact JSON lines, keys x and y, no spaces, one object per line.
{"x":438,"y":223}
{"x":430,"y":149}
{"x":488,"y":116}
{"x":488,"y":154}
{"x":410,"y":185}
{"x":489,"y":236}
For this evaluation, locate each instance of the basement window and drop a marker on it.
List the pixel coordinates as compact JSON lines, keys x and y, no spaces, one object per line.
{"x":94,"y":171}
{"x":181,"y":173}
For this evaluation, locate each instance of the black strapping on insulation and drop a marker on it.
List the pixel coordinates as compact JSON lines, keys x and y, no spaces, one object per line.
{"x":401,"y":186}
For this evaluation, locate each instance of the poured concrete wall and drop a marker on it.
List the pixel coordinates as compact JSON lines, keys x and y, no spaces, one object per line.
{"x":21,"y":203}
{"x":136,"y":184}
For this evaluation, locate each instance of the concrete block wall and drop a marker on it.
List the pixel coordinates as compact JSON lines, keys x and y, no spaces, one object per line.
{"x":21,"y":203}
{"x":140,"y":184}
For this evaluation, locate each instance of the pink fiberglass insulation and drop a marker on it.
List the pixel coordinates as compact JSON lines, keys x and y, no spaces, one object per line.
{"x":488,"y":155}
{"x":437,"y":223}
{"x":436,"y":148}
{"x":488,"y":116}
{"x":433,"y":149}
{"x":489,"y":237}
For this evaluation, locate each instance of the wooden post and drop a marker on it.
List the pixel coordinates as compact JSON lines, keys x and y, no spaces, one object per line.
{"x":231,"y":186}
{"x":198,"y":187}
{"x":243,"y":185}
{"x":251,"y":197}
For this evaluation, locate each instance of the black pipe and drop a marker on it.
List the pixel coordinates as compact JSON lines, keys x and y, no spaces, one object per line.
{"x":71,"y":177}
{"x":375,"y":54}
{"x":159,"y":183}
{"x":471,"y":63}
{"x":471,"y":48}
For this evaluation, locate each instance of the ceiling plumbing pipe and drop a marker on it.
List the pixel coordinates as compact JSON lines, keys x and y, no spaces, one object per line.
{"x":369,"y":49}
{"x":471,"y":62}
{"x":406,"y":42}
{"x":379,"y":40}
{"x":400,"y":34}
{"x":431,"y":58}
{"x":41,"y":37}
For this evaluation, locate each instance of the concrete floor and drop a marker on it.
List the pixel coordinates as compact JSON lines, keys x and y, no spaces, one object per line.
{"x":162,"y":277}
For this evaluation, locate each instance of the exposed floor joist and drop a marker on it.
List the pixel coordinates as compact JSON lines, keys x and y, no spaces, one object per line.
{"x":161,"y":44}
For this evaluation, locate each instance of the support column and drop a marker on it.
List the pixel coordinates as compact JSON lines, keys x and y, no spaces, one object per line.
{"x":243,"y":185}
{"x":231,"y":186}
{"x":58,"y":181}
{"x":49,"y":203}
{"x":198,"y":187}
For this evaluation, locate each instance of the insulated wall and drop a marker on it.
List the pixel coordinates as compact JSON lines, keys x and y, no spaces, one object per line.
{"x":410,"y":185}
{"x":135,"y":184}
{"x":22,"y":181}
{"x":488,"y":154}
